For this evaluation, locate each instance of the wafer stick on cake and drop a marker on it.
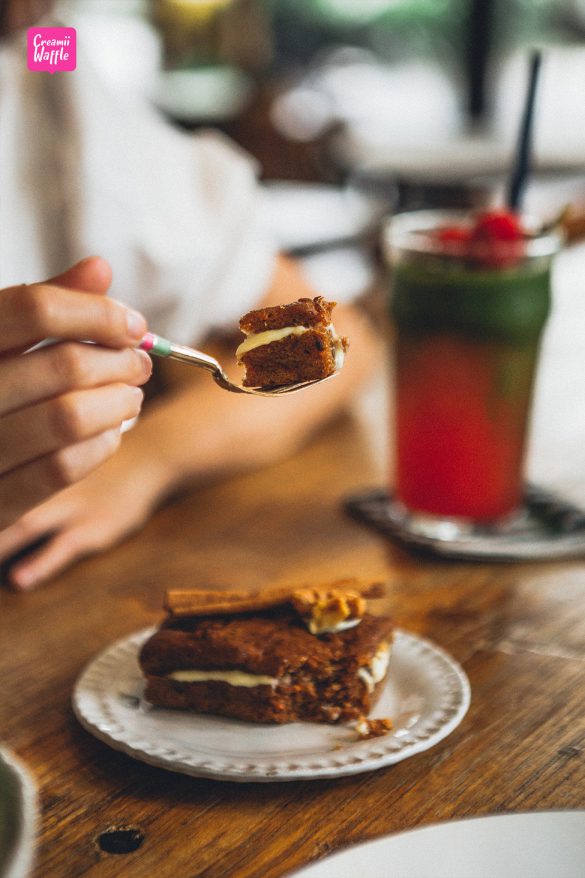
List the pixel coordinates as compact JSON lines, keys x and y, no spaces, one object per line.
{"x":201,"y":602}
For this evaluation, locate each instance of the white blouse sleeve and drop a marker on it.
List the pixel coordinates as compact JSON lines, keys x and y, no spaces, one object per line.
{"x":177,"y":215}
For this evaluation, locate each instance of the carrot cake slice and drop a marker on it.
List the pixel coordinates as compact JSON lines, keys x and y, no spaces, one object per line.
{"x":274,"y":657}
{"x":286,"y":344}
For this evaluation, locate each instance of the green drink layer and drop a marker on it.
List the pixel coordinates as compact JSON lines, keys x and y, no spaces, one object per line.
{"x":440,"y":296}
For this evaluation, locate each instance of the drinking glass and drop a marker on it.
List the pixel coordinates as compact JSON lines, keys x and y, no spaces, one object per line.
{"x":467,"y":330}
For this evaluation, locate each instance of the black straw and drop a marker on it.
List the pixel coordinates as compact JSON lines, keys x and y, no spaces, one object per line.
{"x":522,"y":160}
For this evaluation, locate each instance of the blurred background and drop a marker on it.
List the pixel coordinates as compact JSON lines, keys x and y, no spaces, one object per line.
{"x":357,"y":107}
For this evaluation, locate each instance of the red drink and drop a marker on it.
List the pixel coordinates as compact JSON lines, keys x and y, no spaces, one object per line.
{"x":460,"y":435}
{"x":466,"y":349}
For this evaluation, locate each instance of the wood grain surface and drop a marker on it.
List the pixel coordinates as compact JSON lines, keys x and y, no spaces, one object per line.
{"x":518,"y":630}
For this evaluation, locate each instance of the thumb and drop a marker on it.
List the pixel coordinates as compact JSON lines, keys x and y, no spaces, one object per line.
{"x":92,"y":275}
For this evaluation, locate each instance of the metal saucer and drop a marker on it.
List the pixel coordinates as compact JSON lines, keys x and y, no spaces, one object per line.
{"x":546,"y":528}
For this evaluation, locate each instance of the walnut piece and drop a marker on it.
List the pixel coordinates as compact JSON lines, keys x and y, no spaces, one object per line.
{"x":326,"y":611}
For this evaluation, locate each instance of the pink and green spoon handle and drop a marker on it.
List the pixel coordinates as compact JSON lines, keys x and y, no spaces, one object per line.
{"x":154,"y":344}
{"x":161,"y":347}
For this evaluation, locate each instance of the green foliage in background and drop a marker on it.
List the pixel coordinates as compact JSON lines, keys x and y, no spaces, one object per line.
{"x":349,"y":14}
{"x":436,"y":30}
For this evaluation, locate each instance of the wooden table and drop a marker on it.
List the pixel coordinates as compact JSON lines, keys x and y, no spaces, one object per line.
{"x":518,"y":630}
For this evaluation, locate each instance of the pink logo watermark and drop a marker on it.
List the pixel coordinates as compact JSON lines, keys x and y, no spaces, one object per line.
{"x":52,"y":48}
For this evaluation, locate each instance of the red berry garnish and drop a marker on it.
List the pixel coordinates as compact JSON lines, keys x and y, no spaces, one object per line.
{"x":497,"y":239}
{"x":499,"y":225}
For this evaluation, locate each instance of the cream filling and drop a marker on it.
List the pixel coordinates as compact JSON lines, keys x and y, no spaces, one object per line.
{"x":317,"y":627}
{"x":234,"y":678}
{"x":257,"y":339}
{"x":338,"y":347}
{"x":376,"y":670}
{"x":370,"y":675}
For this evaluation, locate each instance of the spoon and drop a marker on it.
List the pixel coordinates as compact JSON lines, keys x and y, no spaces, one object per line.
{"x":162,"y":347}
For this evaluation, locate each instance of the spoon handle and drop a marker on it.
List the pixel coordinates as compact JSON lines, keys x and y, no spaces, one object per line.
{"x":162,"y":347}
{"x":154,"y":344}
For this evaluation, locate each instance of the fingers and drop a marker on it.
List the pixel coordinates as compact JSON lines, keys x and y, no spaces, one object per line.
{"x":29,"y":314}
{"x":59,"y":423}
{"x":92,"y":275}
{"x":52,"y":371}
{"x":62,"y":550}
{"x":27,"y":486}
{"x":69,"y":544}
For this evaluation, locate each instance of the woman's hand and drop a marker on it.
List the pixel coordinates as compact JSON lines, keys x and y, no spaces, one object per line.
{"x":191,"y":434}
{"x":88,"y":517}
{"x":61,"y":406}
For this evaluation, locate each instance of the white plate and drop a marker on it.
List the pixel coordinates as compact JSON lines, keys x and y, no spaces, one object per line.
{"x":18,"y":817}
{"x":545,"y":844}
{"x":426,"y":696}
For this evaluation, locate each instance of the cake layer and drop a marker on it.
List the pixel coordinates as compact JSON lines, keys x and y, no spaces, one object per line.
{"x":272,"y":643}
{"x":300,"y":699}
{"x":294,"y":358}
{"x":303,"y":312}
